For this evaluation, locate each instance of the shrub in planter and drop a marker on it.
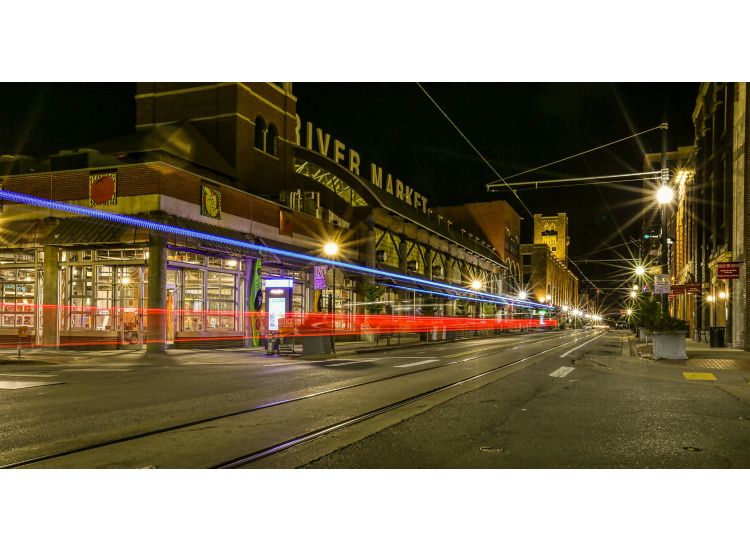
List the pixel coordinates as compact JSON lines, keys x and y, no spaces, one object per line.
{"x":669,"y":338}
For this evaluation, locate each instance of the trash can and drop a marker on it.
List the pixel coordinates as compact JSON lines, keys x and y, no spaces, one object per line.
{"x":716,"y":337}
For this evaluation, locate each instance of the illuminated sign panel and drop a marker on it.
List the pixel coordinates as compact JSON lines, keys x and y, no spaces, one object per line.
{"x":279,"y":283}
{"x":276,"y":311}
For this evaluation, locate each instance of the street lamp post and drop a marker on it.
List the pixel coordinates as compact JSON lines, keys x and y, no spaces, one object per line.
{"x":664,"y":196}
{"x":331,"y":249}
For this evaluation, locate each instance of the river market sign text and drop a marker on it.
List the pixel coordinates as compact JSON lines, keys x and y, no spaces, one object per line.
{"x":315,"y":139}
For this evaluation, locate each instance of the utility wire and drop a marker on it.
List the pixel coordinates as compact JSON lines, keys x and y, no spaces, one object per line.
{"x":659,"y":127}
{"x":475,"y":149}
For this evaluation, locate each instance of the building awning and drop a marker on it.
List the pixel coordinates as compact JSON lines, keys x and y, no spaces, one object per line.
{"x":23,"y":233}
{"x":197,"y":242}
{"x":93,"y":232}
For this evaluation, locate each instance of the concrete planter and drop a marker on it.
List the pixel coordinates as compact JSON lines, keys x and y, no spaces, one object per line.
{"x":669,"y":345}
{"x":643,"y":334}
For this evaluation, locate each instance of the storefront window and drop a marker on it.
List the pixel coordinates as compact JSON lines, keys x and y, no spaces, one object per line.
{"x":104,"y":297}
{"x":221,"y":290}
{"x":17,"y":297}
{"x":185,"y":257}
{"x":81,"y":301}
{"x":193,"y":300}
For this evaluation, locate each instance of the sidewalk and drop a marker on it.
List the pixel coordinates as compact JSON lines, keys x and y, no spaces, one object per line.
{"x":40,"y":356}
{"x":700,"y":355}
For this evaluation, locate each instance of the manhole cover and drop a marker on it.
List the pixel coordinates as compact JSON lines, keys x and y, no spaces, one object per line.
{"x":491,"y":449}
{"x":692,"y":449}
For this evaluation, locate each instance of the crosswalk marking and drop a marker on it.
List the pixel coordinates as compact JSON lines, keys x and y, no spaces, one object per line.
{"x":562,"y":372}
{"x":415,"y":364}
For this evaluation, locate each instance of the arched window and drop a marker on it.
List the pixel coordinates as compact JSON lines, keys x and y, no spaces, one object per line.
{"x":260,"y":134}
{"x":271,"y":140}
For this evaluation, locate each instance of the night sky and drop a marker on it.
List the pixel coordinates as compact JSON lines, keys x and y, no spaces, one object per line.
{"x":516,"y":126}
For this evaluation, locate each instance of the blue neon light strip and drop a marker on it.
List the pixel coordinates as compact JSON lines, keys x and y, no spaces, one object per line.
{"x":451,"y":296}
{"x":164,"y":228}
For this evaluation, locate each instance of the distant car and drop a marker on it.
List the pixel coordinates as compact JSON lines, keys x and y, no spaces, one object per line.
{"x":621,"y":324}
{"x":587,"y":327}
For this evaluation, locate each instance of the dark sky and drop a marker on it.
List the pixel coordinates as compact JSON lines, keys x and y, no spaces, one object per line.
{"x":516,"y":126}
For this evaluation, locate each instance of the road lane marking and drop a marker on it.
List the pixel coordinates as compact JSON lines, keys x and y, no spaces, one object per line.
{"x":17,"y":385}
{"x":698,"y":376}
{"x":400,"y":357}
{"x":414,"y":364}
{"x":465,"y":353}
{"x":562,"y":372}
{"x":94,"y":370}
{"x":333,"y":362}
{"x":587,"y":342}
{"x":29,"y":375}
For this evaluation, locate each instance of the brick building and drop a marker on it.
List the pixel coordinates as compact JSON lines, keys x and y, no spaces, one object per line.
{"x":226,"y":159}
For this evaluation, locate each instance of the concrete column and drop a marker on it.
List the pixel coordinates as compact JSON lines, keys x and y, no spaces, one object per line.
{"x":403,"y":295}
{"x":247,"y":329}
{"x":50,"y":305}
{"x":156,"y":335}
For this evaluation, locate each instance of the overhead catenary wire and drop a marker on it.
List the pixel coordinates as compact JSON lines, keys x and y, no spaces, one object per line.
{"x":474,"y":148}
{"x":633,"y":176}
{"x":659,"y":127}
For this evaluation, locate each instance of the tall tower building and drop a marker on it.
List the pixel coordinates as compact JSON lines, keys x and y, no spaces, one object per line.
{"x":553,"y":231}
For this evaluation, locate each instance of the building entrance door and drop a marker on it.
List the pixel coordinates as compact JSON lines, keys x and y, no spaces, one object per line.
{"x":171,"y":313}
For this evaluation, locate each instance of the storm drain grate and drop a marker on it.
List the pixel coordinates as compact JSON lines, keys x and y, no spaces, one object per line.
{"x":491,"y":449}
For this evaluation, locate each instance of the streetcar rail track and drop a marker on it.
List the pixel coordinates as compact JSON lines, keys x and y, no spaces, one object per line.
{"x":312,"y":435}
{"x":316,"y":434}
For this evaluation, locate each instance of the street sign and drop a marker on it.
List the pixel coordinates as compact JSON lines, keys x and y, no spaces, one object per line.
{"x":661,"y":283}
{"x":677,"y":289}
{"x":692,"y":288}
{"x":728,"y":270}
{"x":319,"y":277}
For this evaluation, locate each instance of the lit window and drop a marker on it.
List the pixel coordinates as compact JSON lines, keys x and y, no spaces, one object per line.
{"x":260,"y":134}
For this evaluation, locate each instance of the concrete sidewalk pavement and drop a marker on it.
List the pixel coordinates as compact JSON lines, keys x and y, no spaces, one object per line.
{"x":42,"y":356}
{"x":700,"y":355}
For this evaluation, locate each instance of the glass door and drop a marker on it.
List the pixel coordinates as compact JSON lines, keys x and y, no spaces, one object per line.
{"x":171,"y":313}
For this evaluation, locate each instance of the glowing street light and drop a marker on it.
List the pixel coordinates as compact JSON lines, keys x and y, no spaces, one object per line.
{"x":664,"y":195}
{"x":629,"y":311}
{"x":522,"y":295}
{"x":330,"y":249}
{"x":640,"y":270}
{"x":476,"y":284}
{"x":633,"y":294}
{"x":722,"y":295}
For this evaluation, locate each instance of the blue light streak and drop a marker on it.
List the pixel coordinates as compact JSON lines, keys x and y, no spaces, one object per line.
{"x":164,"y":228}
{"x":501,"y":302}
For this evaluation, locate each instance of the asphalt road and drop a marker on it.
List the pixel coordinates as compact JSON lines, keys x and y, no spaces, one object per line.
{"x":608,"y":411}
{"x":586,"y":403}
